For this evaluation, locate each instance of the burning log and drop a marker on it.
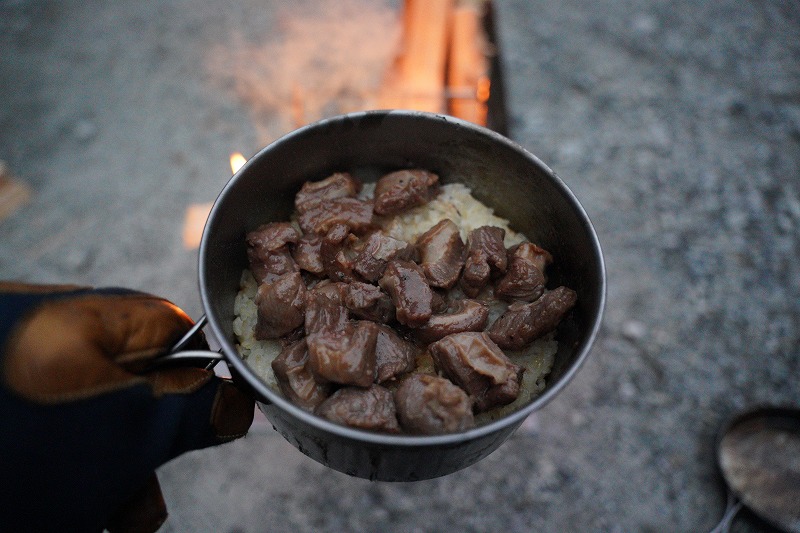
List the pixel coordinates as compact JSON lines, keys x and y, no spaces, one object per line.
{"x":416,"y":78}
{"x":446,"y":61}
{"x":468,"y":67}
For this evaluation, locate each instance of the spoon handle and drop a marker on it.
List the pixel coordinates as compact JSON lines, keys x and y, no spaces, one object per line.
{"x":732,"y":507}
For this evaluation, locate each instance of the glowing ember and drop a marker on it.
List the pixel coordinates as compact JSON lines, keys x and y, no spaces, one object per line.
{"x":13,"y":193}
{"x":484,"y":86}
{"x":237,"y":160}
{"x":196,"y":214}
{"x":193,"y":223}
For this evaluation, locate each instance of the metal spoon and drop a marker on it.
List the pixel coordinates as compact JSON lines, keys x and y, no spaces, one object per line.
{"x":758,"y":453}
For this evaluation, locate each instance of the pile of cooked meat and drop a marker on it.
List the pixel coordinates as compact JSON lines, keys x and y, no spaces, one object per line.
{"x":386,"y":335}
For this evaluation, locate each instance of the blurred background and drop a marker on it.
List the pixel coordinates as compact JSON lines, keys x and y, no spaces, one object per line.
{"x":676,"y":123}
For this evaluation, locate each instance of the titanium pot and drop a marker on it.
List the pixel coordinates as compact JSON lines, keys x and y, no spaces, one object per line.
{"x":368,"y":144}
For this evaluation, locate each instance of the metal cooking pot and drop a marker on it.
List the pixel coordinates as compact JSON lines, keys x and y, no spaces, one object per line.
{"x":368,"y":144}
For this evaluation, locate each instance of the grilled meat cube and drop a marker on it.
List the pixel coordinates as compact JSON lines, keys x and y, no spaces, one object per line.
{"x":540,"y":257}
{"x":272,"y":236}
{"x":432,"y":405}
{"x":336,"y":254}
{"x":281,"y":306}
{"x":267,"y":267}
{"x":369,"y":302}
{"x":523,"y":280}
{"x":352,"y":212}
{"x":440,"y":301}
{"x":401,"y":190}
{"x":475,"y":363}
{"x":372,"y":409}
{"x":306,"y":253}
{"x":338,"y":185}
{"x":442,"y":254}
{"x":294,"y":378}
{"x":268,"y":252}
{"x":405,"y":282}
{"x":393,"y":354}
{"x":378,"y":249}
{"x":325,"y":307}
{"x":463,"y":315}
{"x":522,"y":323}
{"x":486,"y":258}
{"x":345,"y":355}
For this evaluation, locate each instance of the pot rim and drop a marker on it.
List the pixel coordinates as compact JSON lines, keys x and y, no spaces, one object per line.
{"x":266,"y":395}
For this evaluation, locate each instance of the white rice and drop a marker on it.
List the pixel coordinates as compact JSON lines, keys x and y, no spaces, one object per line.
{"x":455,"y":202}
{"x":258,"y":354}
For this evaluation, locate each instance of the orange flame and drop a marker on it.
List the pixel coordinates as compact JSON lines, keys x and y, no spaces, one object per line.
{"x":196,"y":214}
{"x":194,"y":221}
{"x":237,"y":160}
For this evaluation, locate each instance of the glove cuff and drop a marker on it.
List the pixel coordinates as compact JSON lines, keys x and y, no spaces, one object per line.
{"x":144,"y":512}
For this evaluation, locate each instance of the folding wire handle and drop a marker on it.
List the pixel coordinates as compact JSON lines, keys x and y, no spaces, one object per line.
{"x":177,"y":353}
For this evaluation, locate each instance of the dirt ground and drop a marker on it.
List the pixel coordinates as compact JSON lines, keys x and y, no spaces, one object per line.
{"x":676,"y":123}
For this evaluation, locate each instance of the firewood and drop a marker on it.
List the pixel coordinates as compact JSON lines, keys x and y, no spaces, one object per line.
{"x":416,"y":77}
{"x":468,"y":66}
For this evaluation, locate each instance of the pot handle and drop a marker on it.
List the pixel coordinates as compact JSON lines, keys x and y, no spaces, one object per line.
{"x":177,"y":354}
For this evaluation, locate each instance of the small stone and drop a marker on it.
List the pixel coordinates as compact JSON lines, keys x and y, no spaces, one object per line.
{"x":84,"y":130}
{"x":644,"y":24}
{"x":530,"y":425}
{"x":634,"y":330}
{"x":627,"y":390}
{"x":577,"y":418}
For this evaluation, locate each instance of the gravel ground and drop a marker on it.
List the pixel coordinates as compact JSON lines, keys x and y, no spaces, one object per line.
{"x":677,"y":124}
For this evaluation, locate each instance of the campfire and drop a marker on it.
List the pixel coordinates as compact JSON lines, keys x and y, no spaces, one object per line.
{"x":446,"y":60}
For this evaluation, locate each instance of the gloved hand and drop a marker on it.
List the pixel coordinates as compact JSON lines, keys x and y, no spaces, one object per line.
{"x":82,"y":428}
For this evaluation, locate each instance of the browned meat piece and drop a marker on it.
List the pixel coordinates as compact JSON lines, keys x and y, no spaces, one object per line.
{"x":440,"y":301}
{"x":540,"y":257}
{"x":412,"y":297}
{"x":475,"y":275}
{"x":306,"y":254}
{"x":442,"y":252}
{"x":336,"y":254}
{"x":292,"y":337}
{"x":476,"y":364}
{"x":281,"y":306}
{"x":486,"y":258}
{"x":295,"y":380}
{"x":325,"y":307}
{"x":267,"y":267}
{"x":378,"y":249}
{"x":393,"y":355}
{"x":352,"y":212}
{"x":522,"y":323}
{"x":268,"y":251}
{"x":431,"y":405}
{"x":345,"y":355}
{"x":339,"y":185}
{"x":523,"y":280}
{"x":463,"y":315}
{"x":272,"y":236}
{"x":369,"y":302}
{"x":401,"y":190}
{"x":371,"y":409}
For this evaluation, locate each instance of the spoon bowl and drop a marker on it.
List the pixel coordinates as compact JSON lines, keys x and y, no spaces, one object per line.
{"x":758,"y":453}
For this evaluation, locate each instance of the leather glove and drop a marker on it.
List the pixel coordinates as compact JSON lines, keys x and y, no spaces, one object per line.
{"x":83,"y":425}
